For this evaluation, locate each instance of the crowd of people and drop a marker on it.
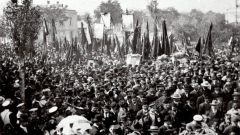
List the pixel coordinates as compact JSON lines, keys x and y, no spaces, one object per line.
{"x":199,"y":96}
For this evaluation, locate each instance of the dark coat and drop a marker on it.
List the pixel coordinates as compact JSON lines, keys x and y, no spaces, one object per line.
{"x":203,"y":108}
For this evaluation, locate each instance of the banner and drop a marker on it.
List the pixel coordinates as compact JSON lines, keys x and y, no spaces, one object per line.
{"x":106,"y":20}
{"x":98,"y":30}
{"x":133,"y":59}
{"x":88,"y":36}
{"x":230,"y":41}
{"x":127,"y":23}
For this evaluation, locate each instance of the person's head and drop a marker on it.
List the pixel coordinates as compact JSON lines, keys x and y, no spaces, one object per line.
{"x":235,"y":105}
{"x":227,"y":118}
{"x":106,"y":109}
{"x":23,"y":120}
{"x":145,"y":106}
{"x":152,"y":107}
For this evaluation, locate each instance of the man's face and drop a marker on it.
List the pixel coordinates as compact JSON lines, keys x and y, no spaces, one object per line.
{"x":234,"y":106}
{"x":145,"y":107}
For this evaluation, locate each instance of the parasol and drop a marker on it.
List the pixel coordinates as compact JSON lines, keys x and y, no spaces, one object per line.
{"x":73,"y":125}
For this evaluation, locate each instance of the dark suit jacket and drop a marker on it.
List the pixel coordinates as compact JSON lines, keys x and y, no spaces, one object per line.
{"x":108,"y":121}
{"x":163,"y":130}
{"x":203,"y":108}
{"x":211,"y":115}
{"x":94,"y":131}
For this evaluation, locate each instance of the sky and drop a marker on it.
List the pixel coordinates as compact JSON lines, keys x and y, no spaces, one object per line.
{"x":83,"y":6}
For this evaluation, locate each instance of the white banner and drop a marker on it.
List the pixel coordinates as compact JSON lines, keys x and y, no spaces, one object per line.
{"x":127,"y":22}
{"x":133,"y":59}
{"x":106,"y":20}
{"x":230,"y":41}
{"x":98,"y":30}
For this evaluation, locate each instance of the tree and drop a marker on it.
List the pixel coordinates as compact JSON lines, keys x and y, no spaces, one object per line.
{"x":138,"y":15}
{"x":22,"y":25}
{"x":112,"y":7}
{"x":54,"y":11}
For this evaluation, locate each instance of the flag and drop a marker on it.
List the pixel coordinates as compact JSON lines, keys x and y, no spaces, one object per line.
{"x":198,"y":47}
{"x":171,"y":43}
{"x":155,"y":42}
{"x":84,"y":41}
{"x":108,"y":45}
{"x":208,"y":49}
{"x":118,"y":46}
{"x":165,"y":41}
{"x":135,"y":39}
{"x":46,"y":32}
{"x":146,"y":49}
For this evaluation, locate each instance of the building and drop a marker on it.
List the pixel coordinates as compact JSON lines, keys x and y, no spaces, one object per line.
{"x":68,"y":28}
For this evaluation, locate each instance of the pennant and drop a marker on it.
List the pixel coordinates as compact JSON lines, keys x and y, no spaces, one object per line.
{"x":135,"y":39}
{"x":198,"y":47}
{"x":208,"y":49}
{"x":155,"y":42}
{"x":165,"y":41}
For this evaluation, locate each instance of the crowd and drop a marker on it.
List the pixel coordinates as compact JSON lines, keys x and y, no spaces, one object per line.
{"x":200,"y":96}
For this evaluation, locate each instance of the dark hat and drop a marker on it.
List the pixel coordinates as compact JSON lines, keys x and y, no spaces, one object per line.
{"x":97,"y":118}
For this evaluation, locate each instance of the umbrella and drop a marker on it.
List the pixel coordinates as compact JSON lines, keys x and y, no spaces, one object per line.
{"x":73,"y":125}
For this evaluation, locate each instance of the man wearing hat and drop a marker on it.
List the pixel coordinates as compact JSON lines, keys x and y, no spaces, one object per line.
{"x":236,"y":97}
{"x":166,"y":128}
{"x":205,"y":106}
{"x":234,"y":127}
{"x":7,"y":116}
{"x":214,"y":112}
{"x":190,"y":110}
{"x":107,"y":117}
{"x":24,"y":127}
{"x":136,"y":127}
{"x":196,"y":125}
{"x":234,"y":111}
{"x":97,"y":128}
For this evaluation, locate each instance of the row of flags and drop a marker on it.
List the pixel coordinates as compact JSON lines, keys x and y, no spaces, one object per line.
{"x":110,"y":43}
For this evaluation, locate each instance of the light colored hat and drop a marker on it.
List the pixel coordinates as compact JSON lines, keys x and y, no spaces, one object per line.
{"x":205,"y":84}
{"x":19,"y":105}
{"x":6,"y":103}
{"x":53,"y":109}
{"x":176,"y":95}
{"x":46,"y":90}
{"x":33,"y":109}
{"x":197,"y":118}
{"x":153,"y":129}
{"x":195,"y":85}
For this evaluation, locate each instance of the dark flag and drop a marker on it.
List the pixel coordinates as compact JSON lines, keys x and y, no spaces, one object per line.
{"x":146,"y":48}
{"x":135,"y":39}
{"x":108,"y":45}
{"x":84,"y":39}
{"x":45,"y":33}
{"x":165,"y":42}
{"x":155,"y":43}
{"x":198,"y":47}
{"x":208,"y":46}
{"x":159,"y":49}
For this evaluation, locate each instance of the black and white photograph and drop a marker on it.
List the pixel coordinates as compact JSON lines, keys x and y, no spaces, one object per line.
{"x":119,"y":67}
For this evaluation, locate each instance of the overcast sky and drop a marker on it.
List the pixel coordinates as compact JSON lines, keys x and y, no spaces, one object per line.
{"x":82,"y":6}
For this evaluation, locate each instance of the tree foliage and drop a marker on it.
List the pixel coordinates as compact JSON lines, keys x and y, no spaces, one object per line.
{"x":54,"y":11}
{"x":112,"y":7}
{"x":22,"y":24}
